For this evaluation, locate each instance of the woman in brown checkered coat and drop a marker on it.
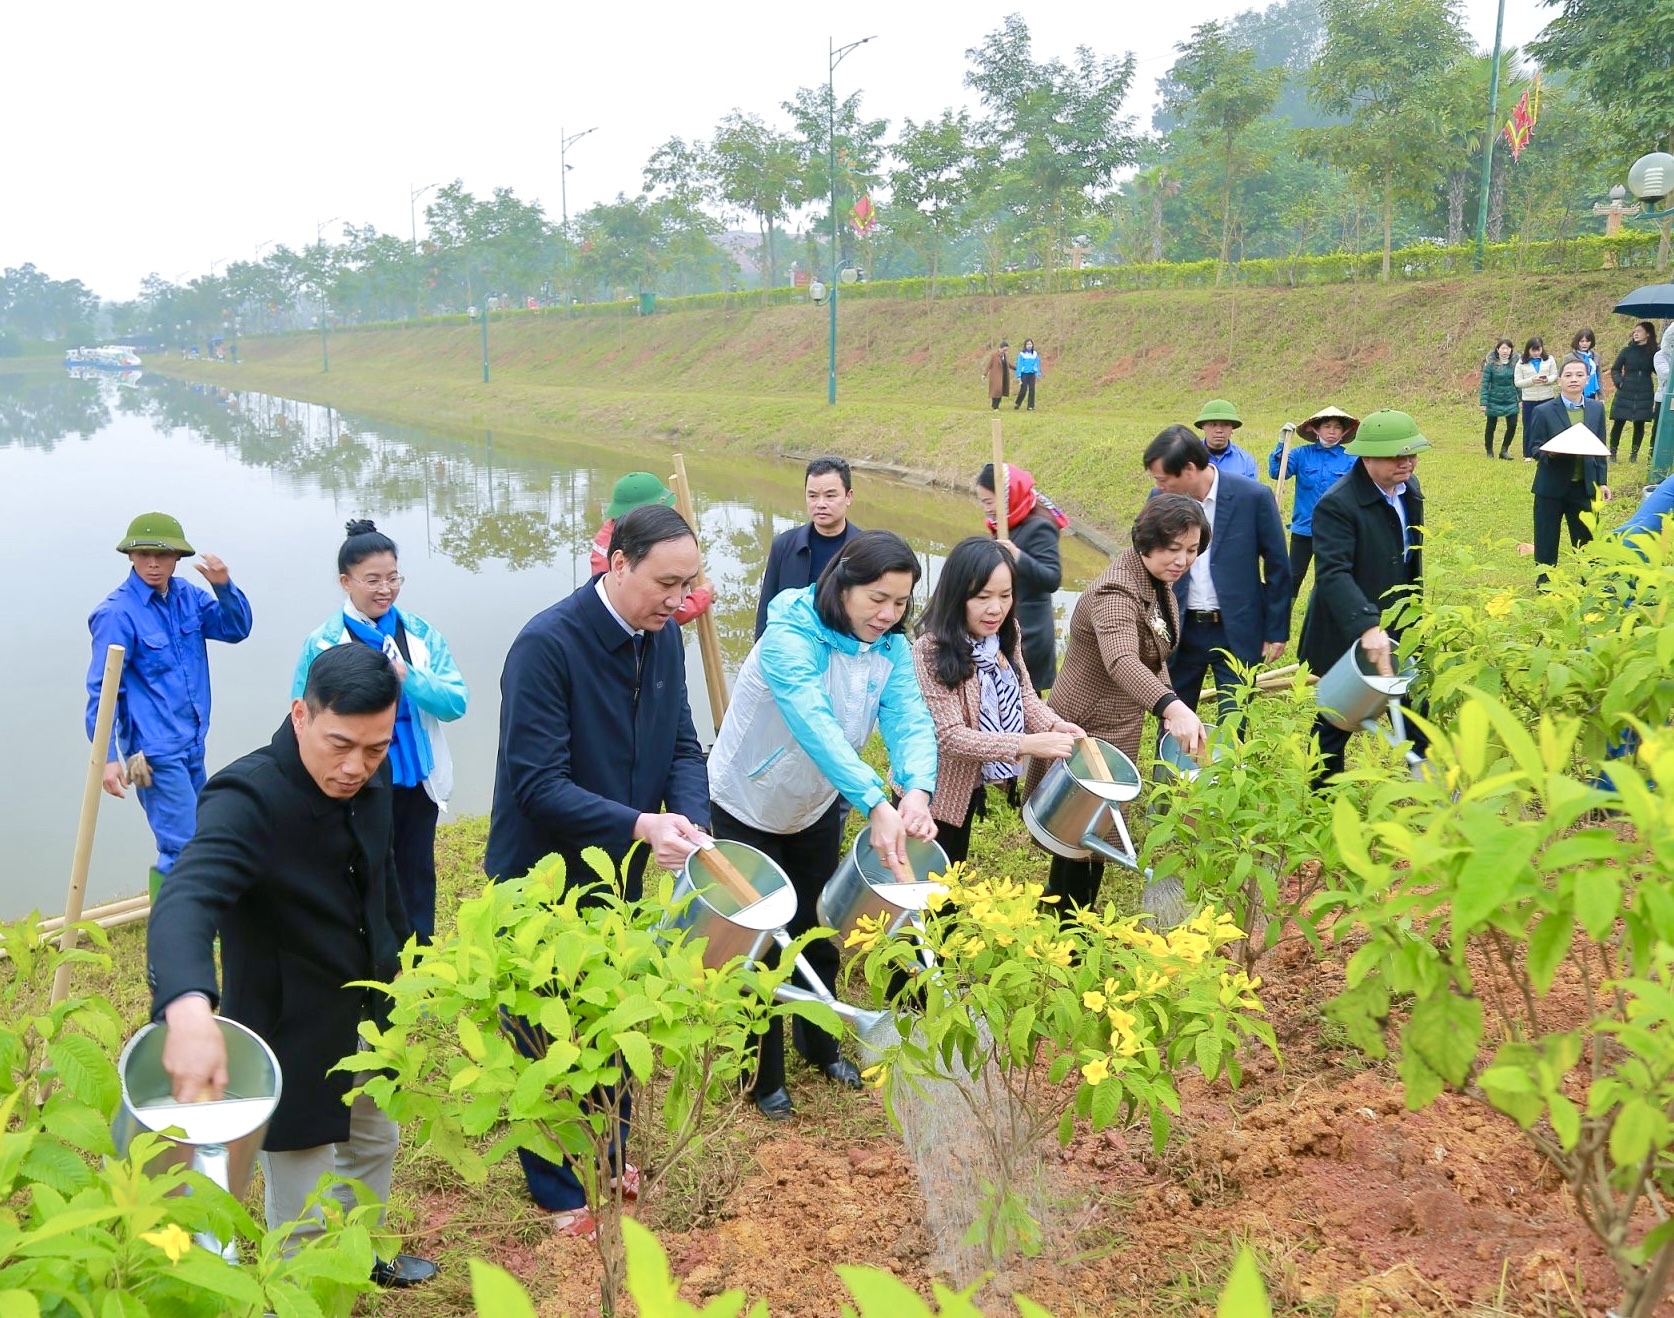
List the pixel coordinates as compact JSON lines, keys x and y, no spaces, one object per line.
{"x":1123,"y":629}
{"x":969,"y":657}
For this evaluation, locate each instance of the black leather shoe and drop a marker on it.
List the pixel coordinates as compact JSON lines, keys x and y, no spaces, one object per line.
{"x":775,"y":1106}
{"x":842,"y":1072}
{"x":402,"y":1271}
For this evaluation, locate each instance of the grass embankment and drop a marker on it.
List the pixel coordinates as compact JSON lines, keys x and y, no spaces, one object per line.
{"x":1118,"y":366}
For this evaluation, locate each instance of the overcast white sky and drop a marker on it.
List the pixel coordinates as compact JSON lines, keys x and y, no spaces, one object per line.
{"x":168,"y":136}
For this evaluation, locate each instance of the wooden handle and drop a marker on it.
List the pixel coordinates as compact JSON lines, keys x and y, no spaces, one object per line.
{"x":1287,"y":432}
{"x":1002,"y":486}
{"x":724,"y":872}
{"x":709,"y":638}
{"x":1093,"y":754}
{"x":90,"y":791}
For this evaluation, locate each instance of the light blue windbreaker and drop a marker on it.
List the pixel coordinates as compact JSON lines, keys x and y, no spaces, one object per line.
{"x":804,"y":704}
{"x":433,"y":684}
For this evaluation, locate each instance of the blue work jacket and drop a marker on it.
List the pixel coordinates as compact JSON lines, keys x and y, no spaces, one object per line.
{"x":162,"y":707}
{"x":1315,"y":469}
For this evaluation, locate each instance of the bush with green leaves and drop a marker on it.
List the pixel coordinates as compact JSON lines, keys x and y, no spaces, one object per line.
{"x":1505,"y":875}
{"x":85,"y":1232}
{"x":1022,"y":999}
{"x":603,"y":995}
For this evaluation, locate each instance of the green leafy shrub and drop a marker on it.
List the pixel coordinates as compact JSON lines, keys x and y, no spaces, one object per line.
{"x":603,"y":995}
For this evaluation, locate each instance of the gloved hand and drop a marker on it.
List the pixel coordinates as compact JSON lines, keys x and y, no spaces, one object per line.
{"x":139,"y":770}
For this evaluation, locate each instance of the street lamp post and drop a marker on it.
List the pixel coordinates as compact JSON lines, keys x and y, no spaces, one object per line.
{"x":485,"y":337}
{"x":413,"y":194}
{"x":834,"y":56}
{"x":564,"y":144}
{"x":325,"y":349}
{"x":1488,"y":142}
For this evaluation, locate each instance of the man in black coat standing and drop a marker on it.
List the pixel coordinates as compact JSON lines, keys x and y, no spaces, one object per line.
{"x":798,"y":556}
{"x":1566,"y":484}
{"x":292,"y":865}
{"x":1236,"y":598}
{"x":598,"y":749}
{"x":1368,"y":552}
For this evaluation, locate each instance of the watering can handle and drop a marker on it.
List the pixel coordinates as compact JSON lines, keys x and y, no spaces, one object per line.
{"x":724,"y":872}
{"x":1093,"y":754}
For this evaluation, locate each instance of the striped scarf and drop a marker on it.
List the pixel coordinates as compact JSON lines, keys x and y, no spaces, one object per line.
{"x":1001,"y":705}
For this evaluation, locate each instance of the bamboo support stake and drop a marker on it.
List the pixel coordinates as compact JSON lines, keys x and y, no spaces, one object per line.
{"x":95,"y":914}
{"x":1002,"y":486}
{"x":90,"y":790}
{"x":709,"y":639}
{"x":1287,"y":432}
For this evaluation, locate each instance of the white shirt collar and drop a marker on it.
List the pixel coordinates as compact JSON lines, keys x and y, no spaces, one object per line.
{"x":604,"y":597}
{"x":1214,"y":487}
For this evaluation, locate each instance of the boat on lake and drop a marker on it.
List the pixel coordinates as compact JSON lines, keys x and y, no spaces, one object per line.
{"x":110,"y":357}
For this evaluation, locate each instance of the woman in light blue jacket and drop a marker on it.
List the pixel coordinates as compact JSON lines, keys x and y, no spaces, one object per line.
{"x":432,"y":693}
{"x":833,"y":664}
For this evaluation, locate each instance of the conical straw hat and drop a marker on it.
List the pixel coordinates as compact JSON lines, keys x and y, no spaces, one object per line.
{"x":1578,"y":442}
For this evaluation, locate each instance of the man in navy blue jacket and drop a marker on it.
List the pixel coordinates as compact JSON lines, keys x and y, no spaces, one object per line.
{"x":1236,"y":599}
{"x":798,"y":556}
{"x":598,"y":749}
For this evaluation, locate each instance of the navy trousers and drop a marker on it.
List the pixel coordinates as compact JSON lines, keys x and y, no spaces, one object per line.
{"x":1203,"y":650}
{"x":415,"y":857}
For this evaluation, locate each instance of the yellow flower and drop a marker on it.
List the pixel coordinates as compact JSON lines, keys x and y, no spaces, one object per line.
{"x":875,"y":1075}
{"x":1093,"y":1000}
{"x":1121,"y":1021}
{"x":1097,"y":1071}
{"x":1189,"y":946}
{"x":1500,"y":605}
{"x":172,"y":1240}
{"x":1127,"y":1045}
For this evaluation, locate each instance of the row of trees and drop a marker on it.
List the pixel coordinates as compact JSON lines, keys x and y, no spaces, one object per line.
{"x":1311,"y":126}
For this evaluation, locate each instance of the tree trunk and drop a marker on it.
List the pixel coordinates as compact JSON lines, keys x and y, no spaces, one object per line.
{"x":1456,"y":208}
{"x":1388,"y":219}
{"x":1156,"y":226}
{"x":1226,"y":217}
{"x":761,"y":264}
{"x":1496,"y":204}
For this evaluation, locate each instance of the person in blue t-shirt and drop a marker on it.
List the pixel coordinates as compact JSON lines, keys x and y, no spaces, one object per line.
{"x":1315,"y":466}
{"x":1028,"y":371}
{"x":162,"y":706}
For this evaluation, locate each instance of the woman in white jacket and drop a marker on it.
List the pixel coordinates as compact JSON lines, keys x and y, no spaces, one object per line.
{"x":1536,"y":378}
{"x":432,"y":693}
{"x":832,"y":665}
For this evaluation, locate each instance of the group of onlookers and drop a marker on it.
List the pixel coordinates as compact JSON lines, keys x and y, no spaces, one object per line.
{"x":1515,"y":385}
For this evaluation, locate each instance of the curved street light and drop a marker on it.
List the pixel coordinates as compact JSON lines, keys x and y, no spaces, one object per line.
{"x":325,"y":350}
{"x":564,"y":144}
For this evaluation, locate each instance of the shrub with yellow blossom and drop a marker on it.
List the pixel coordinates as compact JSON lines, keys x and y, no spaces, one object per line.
{"x":1077,"y":1015}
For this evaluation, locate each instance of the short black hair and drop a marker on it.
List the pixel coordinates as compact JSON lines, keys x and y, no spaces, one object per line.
{"x":1578,"y":359}
{"x":828,"y":464}
{"x":1534,"y":344}
{"x":641,"y":530}
{"x":1167,"y":517}
{"x":861,"y":561}
{"x":1177,"y":447}
{"x":1580,"y":334}
{"x":365,"y":539}
{"x":351,"y":679}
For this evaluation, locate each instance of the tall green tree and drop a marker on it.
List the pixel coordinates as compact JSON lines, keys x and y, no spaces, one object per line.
{"x":1383,"y":64}
{"x":757,"y":170}
{"x":1622,"y":55}
{"x":1056,"y":128}
{"x":931,"y":183}
{"x":859,"y":152}
{"x":1220,"y":94}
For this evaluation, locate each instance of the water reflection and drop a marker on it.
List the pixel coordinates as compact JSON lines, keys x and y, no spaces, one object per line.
{"x":493,"y":527}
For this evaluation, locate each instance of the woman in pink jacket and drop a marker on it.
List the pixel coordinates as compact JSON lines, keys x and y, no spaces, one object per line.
{"x":969,"y":657}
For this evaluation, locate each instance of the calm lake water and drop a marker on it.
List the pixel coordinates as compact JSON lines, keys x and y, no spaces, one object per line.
{"x":492,"y":528}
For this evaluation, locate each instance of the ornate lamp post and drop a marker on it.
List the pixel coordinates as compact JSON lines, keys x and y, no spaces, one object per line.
{"x":1651,"y":179}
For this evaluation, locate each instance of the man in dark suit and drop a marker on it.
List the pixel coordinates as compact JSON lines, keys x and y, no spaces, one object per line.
{"x":1565,"y":485}
{"x":1368,"y":553}
{"x":1236,"y":598}
{"x":596,"y":742}
{"x":799,"y":555}
{"x":292,"y":865}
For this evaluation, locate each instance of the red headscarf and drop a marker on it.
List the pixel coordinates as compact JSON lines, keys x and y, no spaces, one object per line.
{"x":1022,"y":498}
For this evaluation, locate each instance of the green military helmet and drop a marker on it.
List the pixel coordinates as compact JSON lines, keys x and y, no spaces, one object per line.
{"x":1218,"y":409}
{"x":155,"y":531}
{"x":636,"y":490}
{"x":1387,"y":434}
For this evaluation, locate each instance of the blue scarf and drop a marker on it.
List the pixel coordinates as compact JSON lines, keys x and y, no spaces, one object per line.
{"x":410,"y":757}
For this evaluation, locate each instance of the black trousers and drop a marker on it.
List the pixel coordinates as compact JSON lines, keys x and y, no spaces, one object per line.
{"x":1616,"y":437}
{"x":808,"y":859}
{"x":955,"y":839}
{"x":994,"y":403}
{"x":1528,"y":411}
{"x":1488,"y":433}
{"x":1074,"y":882}
{"x":1301,"y":554}
{"x":1333,"y":744}
{"x":1025,"y":387}
{"x":1549,"y":516}
{"x":415,"y":857}
{"x":1202,"y":650}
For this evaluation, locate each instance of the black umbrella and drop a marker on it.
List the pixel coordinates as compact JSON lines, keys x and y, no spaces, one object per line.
{"x":1651,"y":300}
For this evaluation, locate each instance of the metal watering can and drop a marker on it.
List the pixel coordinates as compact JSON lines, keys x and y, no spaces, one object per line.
{"x":741,"y":899}
{"x":220,"y":1139}
{"x":1353,"y":695}
{"x":1074,"y":804}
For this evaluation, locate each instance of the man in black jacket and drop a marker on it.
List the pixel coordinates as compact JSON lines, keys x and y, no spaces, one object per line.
{"x":1566,"y":484}
{"x":799,"y":555}
{"x":292,"y":865}
{"x":1236,"y":598}
{"x":1368,"y":552}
